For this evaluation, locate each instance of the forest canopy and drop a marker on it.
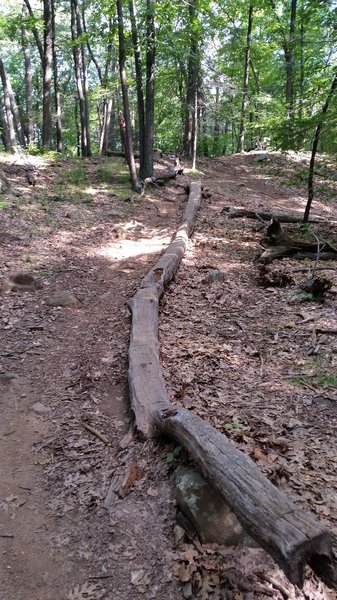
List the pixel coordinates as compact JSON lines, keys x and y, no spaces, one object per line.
{"x":199,"y":76}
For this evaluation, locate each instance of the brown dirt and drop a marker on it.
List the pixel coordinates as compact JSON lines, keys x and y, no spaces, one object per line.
{"x":232,"y":351}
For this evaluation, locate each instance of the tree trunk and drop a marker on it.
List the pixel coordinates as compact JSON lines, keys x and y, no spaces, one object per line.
{"x":192,"y":84}
{"x":57,"y":99}
{"x":35,"y":31}
{"x":77,"y":54}
{"x":28,"y":78}
{"x":85,"y":80}
{"x":6,"y":140}
{"x":128,"y":133}
{"x":47,"y":74}
{"x":246,"y":79}
{"x":139,"y":87}
{"x":149,"y":103}
{"x":7,"y":90}
{"x":317,"y":134}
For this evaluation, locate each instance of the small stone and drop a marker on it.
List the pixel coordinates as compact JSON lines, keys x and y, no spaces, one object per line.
{"x":20,"y":282}
{"x":62,"y":298}
{"x":179,"y":534}
{"x":206,"y":509}
{"x":40,"y":409}
{"x":187,"y":590}
{"x":213,"y":275}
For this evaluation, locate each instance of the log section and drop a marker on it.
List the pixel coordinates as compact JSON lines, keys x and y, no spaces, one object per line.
{"x":293,"y":537}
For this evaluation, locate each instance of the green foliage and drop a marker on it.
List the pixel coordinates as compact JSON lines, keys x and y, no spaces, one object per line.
{"x":172,"y":456}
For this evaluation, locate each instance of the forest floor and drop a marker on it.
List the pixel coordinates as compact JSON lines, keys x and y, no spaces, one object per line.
{"x":246,"y":357}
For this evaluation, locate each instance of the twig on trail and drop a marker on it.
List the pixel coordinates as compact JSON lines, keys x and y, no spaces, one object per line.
{"x":6,"y":535}
{"x":100,"y":577}
{"x":303,"y":269}
{"x":7,"y":354}
{"x":94,"y":431}
{"x":279,"y":586}
{"x":262,"y":369}
{"x":326,"y":331}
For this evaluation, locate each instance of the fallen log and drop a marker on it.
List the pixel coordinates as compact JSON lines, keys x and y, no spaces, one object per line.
{"x":280,"y":245}
{"x":293,"y":537}
{"x":236,"y":213}
{"x":147,"y":388}
{"x":275,"y":252}
{"x":161,"y":178}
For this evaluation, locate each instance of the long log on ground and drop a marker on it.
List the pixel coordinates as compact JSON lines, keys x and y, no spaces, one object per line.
{"x":294,"y":538}
{"x":290,"y":535}
{"x":236,"y":213}
{"x":147,"y":388}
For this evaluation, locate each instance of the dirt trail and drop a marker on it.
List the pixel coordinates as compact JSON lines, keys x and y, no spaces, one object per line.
{"x":66,"y":531}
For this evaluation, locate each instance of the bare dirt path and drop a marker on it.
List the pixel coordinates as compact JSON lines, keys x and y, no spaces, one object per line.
{"x":58,"y":540}
{"x":83,"y":517}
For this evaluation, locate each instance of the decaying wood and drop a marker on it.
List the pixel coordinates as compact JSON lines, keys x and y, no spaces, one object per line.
{"x":280,"y":245}
{"x":293,"y":537}
{"x":161,"y":178}
{"x":236,"y":213}
{"x":146,"y":382}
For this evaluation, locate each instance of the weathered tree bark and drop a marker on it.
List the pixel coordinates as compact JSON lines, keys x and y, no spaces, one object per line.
{"x":35,"y":31}
{"x":78,"y":56}
{"x":236,"y":213}
{"x":7,"y":91}
{"x":291,"y":536}
{"x":128,"y":132}
{"x":162,"y":177}
{"x":192,"y":83}
{"x":47,"y":73}
{"x":282,"y":245}
{"x":246,"y":79}
{"x":6,"y":140}
{"x":5,"y":186}
{"x":317,"y":134}
{"x":57,"y":95}
{"x":149,"y":101}
{"x":139,"y":87}
{"x":28,"y":78}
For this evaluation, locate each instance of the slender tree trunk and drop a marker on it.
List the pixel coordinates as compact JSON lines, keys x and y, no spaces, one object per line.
{"x":6,"y":140}
{"x":139,"y":86}
{"x":149,"y":103}
{"x":85,"y":79}
{"x":85,"y":138}
{"x":78,"y":129}
{"x":9,"y":102}
{"x":301,"y":82}
{"x":47,"y":75}
{"x":57,"y":98}
{"x":28,"y":78}
{"x":192,"y":84}
{"x":317,"y":134}
{"x":246,"y":79}
{"x":128,"y":133}
{"x":35,"y":31}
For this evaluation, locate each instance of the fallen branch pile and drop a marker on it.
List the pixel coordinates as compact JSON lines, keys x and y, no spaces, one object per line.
{"x":293,"y":537}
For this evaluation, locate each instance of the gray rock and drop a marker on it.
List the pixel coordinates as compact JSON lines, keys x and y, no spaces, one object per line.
{"x":40,"y":409}
{"x":187,"y":590}
{"x":213,"y":275}
{"x":20,"y":282}
{"x":62,"y":298}
{"x":206,"y":509}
